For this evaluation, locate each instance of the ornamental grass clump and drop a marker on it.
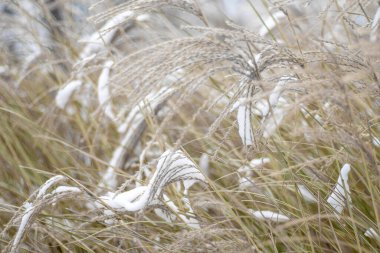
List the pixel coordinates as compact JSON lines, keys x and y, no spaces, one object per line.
{"x":189,"y":126}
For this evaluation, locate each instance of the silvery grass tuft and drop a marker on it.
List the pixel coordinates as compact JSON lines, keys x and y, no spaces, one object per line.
{"x":189,"y":126}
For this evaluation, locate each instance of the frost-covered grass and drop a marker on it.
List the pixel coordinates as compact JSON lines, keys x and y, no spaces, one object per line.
{"x":189,"y":126}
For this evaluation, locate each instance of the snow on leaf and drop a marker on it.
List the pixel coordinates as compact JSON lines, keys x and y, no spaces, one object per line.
{"x":275,"y":96}
{"x":337,"y":199}
{"x":188,"y":217}
{"x":25,"y":220}
{"x":204,"y":166}
{"x":271,"y":23}
{"x":109,"y":178}
{"x":188,"y":184}
{"x":271,"y":123}
{"x":64,"y":94}
{"x":143,"y":17}
{"x":273,"y":109}
{"x":32,"y":208}
{"x":98,"y":41}
{"x":372,"y":233}
{"x":376,"y":141}
{"x":4,"y":69}
{"x":246,"y":172}
{"x":163,"y":214}
{"x":375,"y":25}
{"x":245,"y":169}
{"x":244,"y":123}
{"x":128,"y":197}
{"x":131,"y":127}
{"x":263,"y":106}
{"x":245,"y":183}
{"x":269,"y":216}
{"x":258,"y":162}
{"x":306,"y":194}
{"x":82,"y":62}
{"x":204,"y":163}
{"x":49,"y":183}
{"x":104,"y":96}
{"x":63,"y":188}
{"x":149,"y":103}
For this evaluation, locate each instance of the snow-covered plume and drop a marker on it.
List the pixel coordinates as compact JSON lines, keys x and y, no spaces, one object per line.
{"x":172,"y":166}
{"x":42,"y":199}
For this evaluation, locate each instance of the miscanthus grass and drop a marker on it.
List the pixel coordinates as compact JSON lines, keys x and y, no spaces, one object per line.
{"x":189,"y":126}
